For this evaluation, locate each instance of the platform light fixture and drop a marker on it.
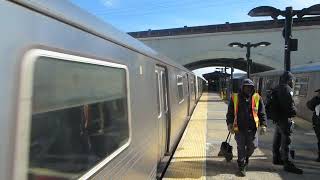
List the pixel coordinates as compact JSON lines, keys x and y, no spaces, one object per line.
{"x":248,"y":46}
{"x":288,"y":13}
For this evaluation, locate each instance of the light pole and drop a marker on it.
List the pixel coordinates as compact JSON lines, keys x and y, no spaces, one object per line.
{"x":248,"y":45}
{"x":290,"y":44}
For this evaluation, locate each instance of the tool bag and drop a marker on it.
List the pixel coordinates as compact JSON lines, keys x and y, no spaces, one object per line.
{"x":226,"y":149}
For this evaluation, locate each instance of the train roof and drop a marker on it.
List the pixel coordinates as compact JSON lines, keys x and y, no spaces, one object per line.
{"x":306,"y":68}
{"x":239,"y":75}
{"x":73,"y":15}
{"x":311,"y":67}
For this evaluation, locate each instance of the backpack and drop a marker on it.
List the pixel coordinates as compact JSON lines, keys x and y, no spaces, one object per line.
{"x":272,"y":105}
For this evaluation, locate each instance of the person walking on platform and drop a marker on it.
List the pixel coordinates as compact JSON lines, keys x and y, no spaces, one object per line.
{"x":285,"y":111}
{"x":314,"y":105}
{"x":246,"y":113}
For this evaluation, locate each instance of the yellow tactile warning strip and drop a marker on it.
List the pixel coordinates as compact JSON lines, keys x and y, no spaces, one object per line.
{"x":189,"y":160}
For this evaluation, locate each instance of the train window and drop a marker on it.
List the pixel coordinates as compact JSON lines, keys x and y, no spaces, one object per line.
{"x":180,"y":88}
{"x":79,"y":117}
{"x":270,"y":83}
{"x":301,"y":86}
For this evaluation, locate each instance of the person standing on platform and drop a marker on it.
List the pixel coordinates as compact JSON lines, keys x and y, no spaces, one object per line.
{"x":286,"y":110}
{"x":246,"y":113}
{"x":314,"y":105}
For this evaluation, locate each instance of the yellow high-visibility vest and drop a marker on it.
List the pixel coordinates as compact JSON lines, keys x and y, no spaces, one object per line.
{"x":254,"y":106}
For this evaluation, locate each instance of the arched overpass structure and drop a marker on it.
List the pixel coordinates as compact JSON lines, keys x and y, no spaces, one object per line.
{"x":203,"y":46}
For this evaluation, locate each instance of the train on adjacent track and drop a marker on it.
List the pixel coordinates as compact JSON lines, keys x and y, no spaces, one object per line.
{"x":80,"y":99}
{"x":306,"y":82}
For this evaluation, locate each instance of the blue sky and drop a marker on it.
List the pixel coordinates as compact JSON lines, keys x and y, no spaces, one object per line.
{"x":138,"y":15}
{"x":141,"y":15}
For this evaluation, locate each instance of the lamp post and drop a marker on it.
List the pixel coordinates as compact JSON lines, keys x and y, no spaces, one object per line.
{"x":288,"y":13}
{"x":248,"y":45}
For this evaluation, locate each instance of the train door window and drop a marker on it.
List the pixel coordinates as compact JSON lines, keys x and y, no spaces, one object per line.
{"x":191,"y":86}
{"x":276,"y":81}
{"x":256,"y":83}
{"x":301,"y":86}
{"x":165,"y":93}
{"x":79,"y":115}
{"x":185,"y":81}
{"x":158,"y":93}
{"x":194,"y":87}
{"x":180,"y":88}
{"x":260,"y":85}
{"x":199,"y":86}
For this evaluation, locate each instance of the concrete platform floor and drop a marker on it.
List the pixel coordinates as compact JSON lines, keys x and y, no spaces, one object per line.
{"x":196,"y":155}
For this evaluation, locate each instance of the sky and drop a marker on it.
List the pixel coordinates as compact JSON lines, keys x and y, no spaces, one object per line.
{"x":141,"y":15}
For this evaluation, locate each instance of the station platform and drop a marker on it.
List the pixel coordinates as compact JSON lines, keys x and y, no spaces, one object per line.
{"x":196,"y":156}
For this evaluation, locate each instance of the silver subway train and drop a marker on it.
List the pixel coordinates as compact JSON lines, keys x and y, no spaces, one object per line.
{"x":307,"y":81}
{"x":81,"y":100}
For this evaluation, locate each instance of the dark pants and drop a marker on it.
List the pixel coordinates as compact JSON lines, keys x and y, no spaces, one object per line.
{"x":245,"y":145}
{"x":316,"y":127}
{"x":281,"y":140}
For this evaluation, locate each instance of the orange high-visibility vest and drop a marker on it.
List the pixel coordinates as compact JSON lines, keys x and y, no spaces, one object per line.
{"x":254,"y":106}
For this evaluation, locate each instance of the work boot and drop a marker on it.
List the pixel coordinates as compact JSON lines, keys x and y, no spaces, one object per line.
{"x":242,"y":169}
{"x":290,"y":167}
{"x":277,"y":160}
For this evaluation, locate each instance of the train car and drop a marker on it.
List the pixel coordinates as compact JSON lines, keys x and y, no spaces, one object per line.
{"x":305,"y":84}
{"x":82,"y":100}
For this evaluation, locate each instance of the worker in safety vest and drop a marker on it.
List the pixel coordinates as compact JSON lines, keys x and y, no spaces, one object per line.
{"x":246,"y":113}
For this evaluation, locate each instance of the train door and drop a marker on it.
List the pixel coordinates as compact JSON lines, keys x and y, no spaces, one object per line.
{"x":163,"y":110}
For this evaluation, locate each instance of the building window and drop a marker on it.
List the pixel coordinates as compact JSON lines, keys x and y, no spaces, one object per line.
{"x":301,"y":86}
{"x":80,"y":117}
{"x":180,"y":88}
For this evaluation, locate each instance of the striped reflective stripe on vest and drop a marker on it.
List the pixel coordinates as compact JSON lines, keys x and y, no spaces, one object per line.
{"x":235,"y":107}
{"x":254,"y":106}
